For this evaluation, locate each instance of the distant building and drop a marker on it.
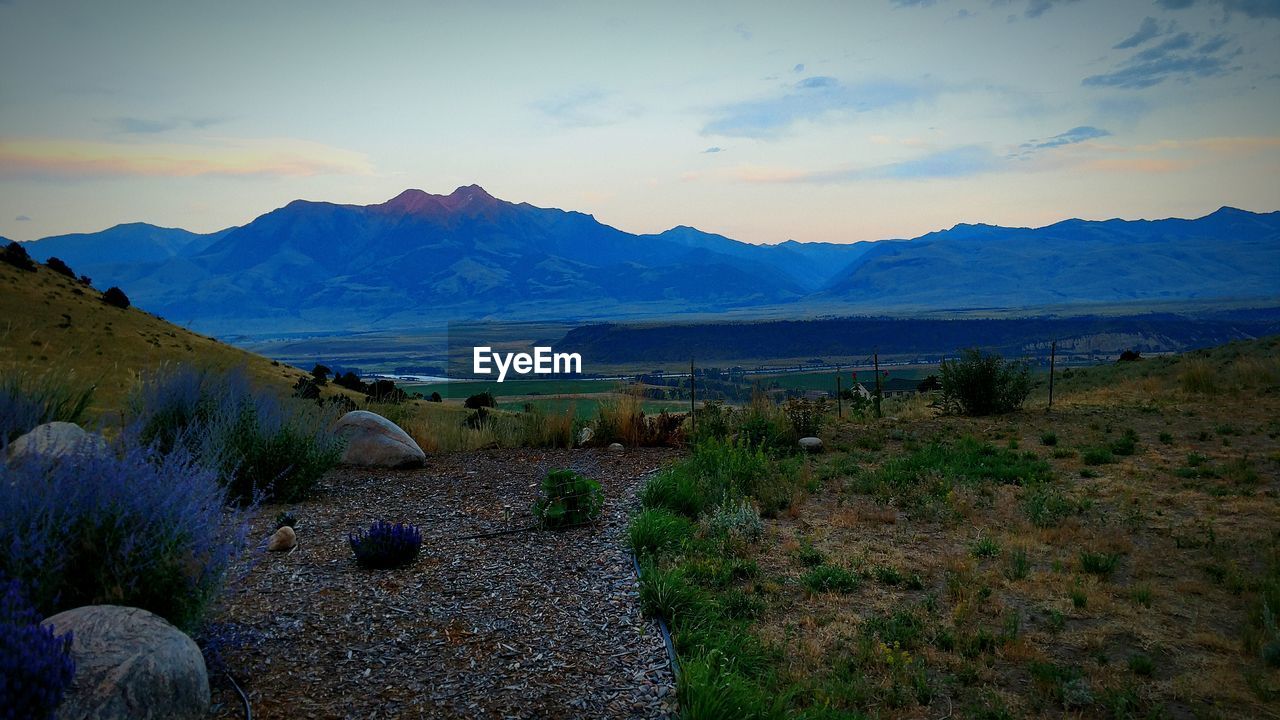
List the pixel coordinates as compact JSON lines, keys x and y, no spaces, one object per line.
{"x":891,"y":387}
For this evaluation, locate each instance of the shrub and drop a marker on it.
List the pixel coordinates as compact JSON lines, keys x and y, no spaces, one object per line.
{"x":27,"y":401}
{"x":1097,"y":456}
{"x":258,"y":443}
{"x":983,"y":384}
{"x":543,"y":429}
{"x":435,"y":397}
{"x":810,"y":556}
{"x":1126,"y":445}
{"x":385,"y":391}
{"x":35,"y":665}
{"x":823,"y":578}
{"x":984,"y":546}
{"x":657,"y":530}
{"x":60,"y":267}
{"x":306,"y":389}
{"x":125,"y":527}
{"x":350,"y":381}
{"x":1046,"y":506}
{"x":568,"y":499}
{"x":480,"y":400}
{"x":734,"y":525}
{"x":1049,"y":439}
{"x":385,"y":545}
{"x":115,"y":297}
{"x":805,"y":416}
{"x":16,"y":255}
{"x":86,"y":281}
{"x":320,"y":373}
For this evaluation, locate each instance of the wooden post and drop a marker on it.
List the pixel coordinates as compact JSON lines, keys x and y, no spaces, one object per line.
{"x":839,"y":402}
{"x":879,"y":394}
{"x":693,"y":416}
{"x":1053,"y":356}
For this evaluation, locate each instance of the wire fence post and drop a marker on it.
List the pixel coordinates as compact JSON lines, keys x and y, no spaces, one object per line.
{"x":1053,"y":357}
{"x":875,"y":357}
{"x":693,"y":416}
{"x":839,"y":404}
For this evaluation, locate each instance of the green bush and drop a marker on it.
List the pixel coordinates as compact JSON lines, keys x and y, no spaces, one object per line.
{"x":1097,"y":456}
{"x":983,"y":384}
{"x":829,"y":578}
{"x":1096,"y":563}
{"x":568,"y":499}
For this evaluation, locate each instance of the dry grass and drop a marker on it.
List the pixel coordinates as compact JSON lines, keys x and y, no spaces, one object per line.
{"x":50,"y":321}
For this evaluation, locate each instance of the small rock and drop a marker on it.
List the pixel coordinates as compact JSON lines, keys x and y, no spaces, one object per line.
{"x":283,"y":539}
{"x":57,"y":439}
{"x":584,"y":436}
{"x":811,"y":444}
{"x":130,"y":664}
{"x":615,"y":447}
{"x":374,"y":441}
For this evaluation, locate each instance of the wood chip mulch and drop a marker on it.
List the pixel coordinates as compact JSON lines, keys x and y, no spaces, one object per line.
{"x":537,"y":624}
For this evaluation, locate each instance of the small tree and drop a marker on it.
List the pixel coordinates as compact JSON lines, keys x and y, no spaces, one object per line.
{"x":17,"y":256}
{"x":321,"y":374}
{"x":480,"y":400}
{"x":115,"y":297}
{"x":56,"y":265}
{"x":984,"y":384}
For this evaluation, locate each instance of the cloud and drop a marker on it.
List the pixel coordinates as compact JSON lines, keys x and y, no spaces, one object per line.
{"x":963,"y":161}
{"x":1036,"y":8}
{"x":810,"y":99}
{"x":799,"y":68}
{"x":1174,"y":58}
{"x":913,"y":3}
{"x":1146,"y":31}
{"x":585,"y":108}
{"x":227,"y":157}
{"x":22,"y":218}
{"x":1070,"y":137}
{"x":713,"y":149}
{"x":743,"y":31}
{"x":1250,"y":8}
{"x":147,"y":126}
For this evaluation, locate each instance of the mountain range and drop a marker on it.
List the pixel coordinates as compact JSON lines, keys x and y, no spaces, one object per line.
{"x":419,"y":257}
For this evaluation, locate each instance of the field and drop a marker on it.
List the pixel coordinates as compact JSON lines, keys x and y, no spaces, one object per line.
{"x":1118,"y":556}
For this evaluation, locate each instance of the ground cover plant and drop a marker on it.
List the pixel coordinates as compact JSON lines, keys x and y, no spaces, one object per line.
{"x":1122,"y":565}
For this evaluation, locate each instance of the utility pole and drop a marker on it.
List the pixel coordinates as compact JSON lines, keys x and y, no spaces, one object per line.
{"x":1053,"y":356}
{"x":879,"y":394}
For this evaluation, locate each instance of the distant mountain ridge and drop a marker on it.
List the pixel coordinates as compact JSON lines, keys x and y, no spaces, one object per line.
{"x":312,"y":266}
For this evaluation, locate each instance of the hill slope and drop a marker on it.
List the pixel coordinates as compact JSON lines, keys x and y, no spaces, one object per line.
{"x":52,"y":322}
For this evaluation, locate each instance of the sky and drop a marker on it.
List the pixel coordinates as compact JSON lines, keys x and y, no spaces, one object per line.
{"x":763,"y":121}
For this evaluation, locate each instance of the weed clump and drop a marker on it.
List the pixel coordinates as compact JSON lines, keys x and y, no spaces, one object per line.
{"x":385,"y":545}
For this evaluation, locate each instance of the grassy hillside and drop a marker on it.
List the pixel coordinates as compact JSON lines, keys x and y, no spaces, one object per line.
{"x":49,"y":322}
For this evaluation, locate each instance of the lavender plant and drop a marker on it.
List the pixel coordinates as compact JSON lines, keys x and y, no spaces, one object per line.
{"x":386,"y":545}
{"x":27,"y":401}
{"x":260,"y":444}
{"x":125,"y":527}
{"x":35,"y":665}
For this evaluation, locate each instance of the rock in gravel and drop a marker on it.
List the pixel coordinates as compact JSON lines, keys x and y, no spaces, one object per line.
{"x":130,"y":664}
{"x":56,"y":439}
{"x":615,"y":447}
{"x":584,"y":436}
{"x":811,"y":444}
{"x":283,"y":539}
{"x":374,"y":441}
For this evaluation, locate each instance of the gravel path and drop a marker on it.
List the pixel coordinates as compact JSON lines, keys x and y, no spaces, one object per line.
{"x":541,"y":624}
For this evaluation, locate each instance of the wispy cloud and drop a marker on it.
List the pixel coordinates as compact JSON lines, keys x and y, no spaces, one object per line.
{"x":1249,"y":8}
{"x":713,"y":149}
{"x":151,"y":126}
{"x":234,"y":157}
{"x":1176,"y":58}
{"x":22,"y":218}
{"x":810,"y":99}
{"x":589,"y":107}
{"x":1036,"y":8}
{"x":957,"y":162}
{"x":1146,"y":31}
{"x":1071,"y":137}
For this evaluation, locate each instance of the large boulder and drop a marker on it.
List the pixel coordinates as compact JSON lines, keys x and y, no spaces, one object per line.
{"x":130,"y":664}
{"x":811,"y":444}
{"x":374,"y":441}
{"x":57,"y":439}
